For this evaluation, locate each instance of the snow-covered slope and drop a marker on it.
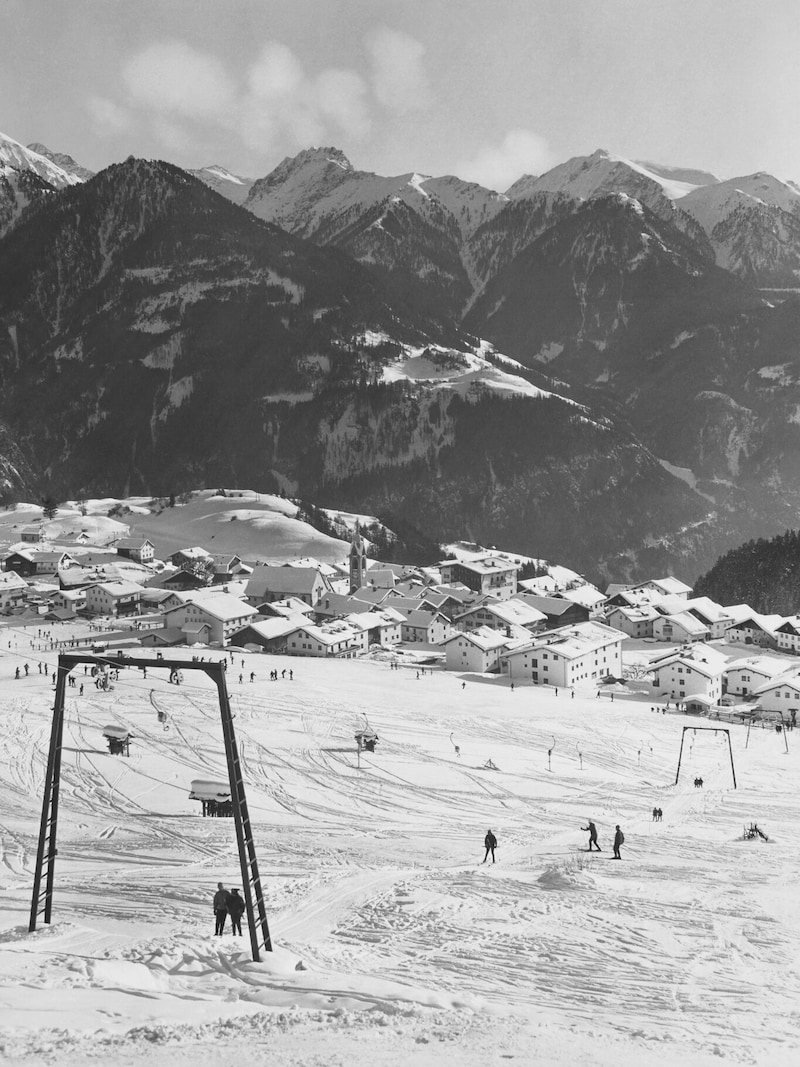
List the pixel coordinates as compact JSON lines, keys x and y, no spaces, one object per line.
{"x":17,"y":155}
{"x":231,"y":186}
{"x":602,"y":173}
{"x":393,"y":942}
{"x":62,"y":160}
{"x":711,"y":204}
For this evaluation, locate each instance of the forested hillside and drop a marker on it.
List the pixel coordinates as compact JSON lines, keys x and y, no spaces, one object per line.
{"x":764,"y":574}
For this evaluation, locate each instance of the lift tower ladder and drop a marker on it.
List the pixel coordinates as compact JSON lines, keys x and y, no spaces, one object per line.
{"x":42,"y":898}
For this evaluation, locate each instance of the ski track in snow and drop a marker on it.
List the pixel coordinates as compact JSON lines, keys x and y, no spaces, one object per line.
{"x":372,"y":874}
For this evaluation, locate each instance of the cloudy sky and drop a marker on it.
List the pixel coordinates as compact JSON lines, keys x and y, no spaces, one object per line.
{"x":486,"y":89}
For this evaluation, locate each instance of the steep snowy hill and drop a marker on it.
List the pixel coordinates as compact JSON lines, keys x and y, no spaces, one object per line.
{"x":62,"y":160}
{"x":231,"y":186}
{"x":753,"y":223}
{"x":17,"y":155}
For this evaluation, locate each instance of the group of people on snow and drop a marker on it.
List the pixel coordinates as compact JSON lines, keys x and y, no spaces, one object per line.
{"x":227,"y":903}
{"x":619,"y":839}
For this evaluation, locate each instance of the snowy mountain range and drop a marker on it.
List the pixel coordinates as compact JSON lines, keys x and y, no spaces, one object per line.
{"x":358,"y":338}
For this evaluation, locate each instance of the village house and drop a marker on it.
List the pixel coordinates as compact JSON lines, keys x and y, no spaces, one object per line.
{"x":334,"y":639}
{"x":156,"y":599}
{"x":425,"y":628}
{"x":788,"y":635}
{"x":781,"y":695}
{"x":383,"y":626}
{"x":486,"y":574}
{"x":73,"y":600}
{"x":335,"y":605}
{"x":224,"y":567}
{"x":633,"y":621}
{"x":287,"y":609}
{"x":659,"y":587}
{"x":140,"y":549}
{"x":751,"y":628}
{"x":689,"y":671}
{"x":744,"y":676}
{"x":186,"y":579}
{"x":31,"y":534}
{"x":557,"y":610}
{"x":30,"y":562}
{"x":267,"y":634}
{"x":712,"y":615}
{"x":190,"y":557}
{"x":475,"y":650}
{"x":269,"y":583}
{"x":501,"y":615}
{"x":13,"y":589}
{"x":579,"y":655}
{"x":684,"y":627}
{"x":209,"y":617}
{"x":113,"y":598}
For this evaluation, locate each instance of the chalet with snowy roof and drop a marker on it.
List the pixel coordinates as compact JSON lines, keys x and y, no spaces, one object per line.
{"x":486,"y":574}
{"x":382,"y":626}
{"x":73,"y":600}
{"x":225,"y":566}
{"x":712,"y":615}
{"x":13,"y":589}
{"x":336,"y":605}
{"x":788,"y":635}
{"x":186,"y":580}
{"x":156,"y":599}
{"x":501,"y":615}
{"x":668,"y":586}
{"x":380,"y":578}
{"x":781,"y":695}
{"x":338,"y":640}
{"x":587,"y":595}
{"x":32,"y":562}
{"x":687,"y":671}
{"x":140,"y":549}
{"x":744,"y":676}
{"x":190,"y":556}
{"x":752,"y":628}
{"x":267,"y":634}
{"x":569,"y":656}
{"x":426,"y":628}
{"x":113,"y":598}
{"x":287,"y":609}
{"x":682,"y":628}
{"x":476,"y":650}
{"x":210,"y":617}
{"x":559,"y":612}
{"x":542,"y":585}
{"x":269,"y":583}
{"x":633,"y":621}
{"x":32,"y":534}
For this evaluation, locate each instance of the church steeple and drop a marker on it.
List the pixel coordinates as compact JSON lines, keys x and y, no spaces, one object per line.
{"x":358,"y":560}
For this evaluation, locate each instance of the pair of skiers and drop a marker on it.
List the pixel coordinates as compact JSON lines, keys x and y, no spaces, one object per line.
{"x":619,"y":839}
{"x":226,"y":904}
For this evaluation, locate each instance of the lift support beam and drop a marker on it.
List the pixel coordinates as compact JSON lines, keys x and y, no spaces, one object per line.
{"x":42,"y":899}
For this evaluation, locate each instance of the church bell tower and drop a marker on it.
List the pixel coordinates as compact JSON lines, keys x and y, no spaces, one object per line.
{"x":358,"y":560}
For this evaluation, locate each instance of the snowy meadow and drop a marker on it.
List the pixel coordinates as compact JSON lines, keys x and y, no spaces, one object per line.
{"x":393,"y":942}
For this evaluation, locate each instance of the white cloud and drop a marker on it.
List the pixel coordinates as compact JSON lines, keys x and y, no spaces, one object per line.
{"x":399,"y":79}
{"x":342,"y":96}
{"x":174,"y":77}
{"x":108,"y":117}
{"x":498,"y":166}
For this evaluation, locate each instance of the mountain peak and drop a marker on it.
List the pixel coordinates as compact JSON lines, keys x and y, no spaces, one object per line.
{"x":17,"y":155}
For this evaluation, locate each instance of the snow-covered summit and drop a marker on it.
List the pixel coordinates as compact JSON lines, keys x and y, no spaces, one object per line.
{"x":604,"y":172}
{"x":712,"y":203}
{"x":17,"y":155}
{"x":61,"y":159}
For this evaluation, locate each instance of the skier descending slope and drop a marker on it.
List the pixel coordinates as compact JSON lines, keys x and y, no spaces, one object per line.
{"x":490,"y":841}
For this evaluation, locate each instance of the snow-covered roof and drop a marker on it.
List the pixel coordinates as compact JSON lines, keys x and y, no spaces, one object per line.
{"x":574,"y":641}
{"x":790,"y":679}
{"x":689,"y":623}
{"x":742,"y":614}
{"x":221,"y":606}
{"x":508,"y":611}
{"x":117,"y":589}
{"x":701,"y":657}
{"x":483,"y":637}
{"x":708,"y":608}
{"x":767,"y":666}
{"x":288,"y":580}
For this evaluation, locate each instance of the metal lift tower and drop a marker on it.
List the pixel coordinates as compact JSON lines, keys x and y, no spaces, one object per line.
{"x":42,"y":900}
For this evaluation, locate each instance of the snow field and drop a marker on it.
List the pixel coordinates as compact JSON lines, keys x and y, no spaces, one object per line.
{"x":684,"y":952}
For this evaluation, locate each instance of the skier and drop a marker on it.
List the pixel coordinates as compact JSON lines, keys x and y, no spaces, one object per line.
{"x":655,"y":814}
{"x":660,"y":815}
{"x":490,"y":841}
{"x":592,"y":831}
{"x":221,"y":898}
{"x":619,"y":839}
{"x":236,"y":911}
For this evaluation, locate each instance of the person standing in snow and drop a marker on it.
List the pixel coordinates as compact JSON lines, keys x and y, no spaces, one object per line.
{"x":236,"y":911}
{"x":490,"y":841}
{"x":221,"y":898}
{"x":619,"y":839}
{"x":592,"y":831}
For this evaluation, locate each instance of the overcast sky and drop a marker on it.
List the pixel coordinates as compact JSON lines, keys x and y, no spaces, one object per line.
{"x":486,"y":89}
